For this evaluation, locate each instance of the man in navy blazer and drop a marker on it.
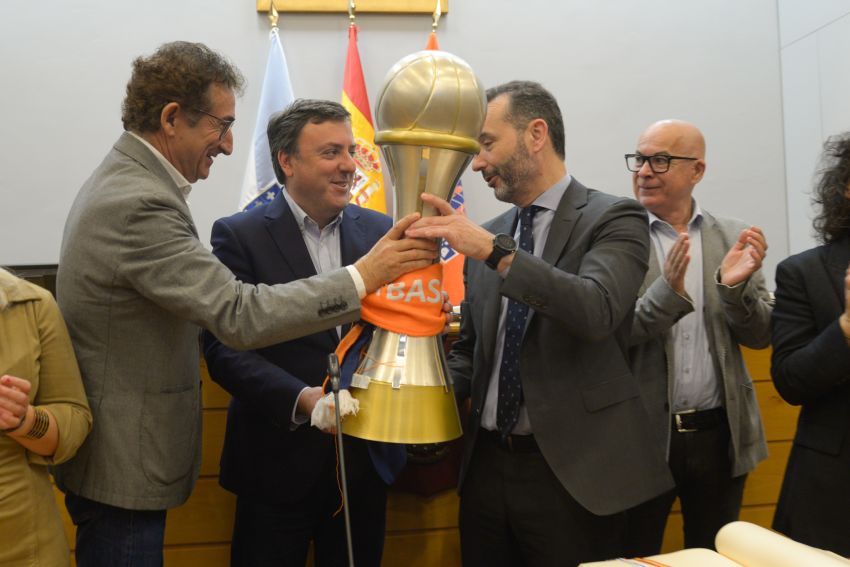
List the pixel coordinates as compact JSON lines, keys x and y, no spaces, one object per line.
{"x":283,"y":471}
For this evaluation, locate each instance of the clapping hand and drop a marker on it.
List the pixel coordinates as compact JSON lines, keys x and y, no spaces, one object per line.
{"x":676,"y":264}
{"x":744,"y":258}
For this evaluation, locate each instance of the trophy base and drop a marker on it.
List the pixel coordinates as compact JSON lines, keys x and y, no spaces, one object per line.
{"x":410,"y":414}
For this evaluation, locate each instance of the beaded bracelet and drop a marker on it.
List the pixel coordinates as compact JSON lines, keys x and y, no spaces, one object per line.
{"x":40,"y":424}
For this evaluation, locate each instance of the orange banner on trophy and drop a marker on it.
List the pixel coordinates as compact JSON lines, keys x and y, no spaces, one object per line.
{"x":411,"y":305}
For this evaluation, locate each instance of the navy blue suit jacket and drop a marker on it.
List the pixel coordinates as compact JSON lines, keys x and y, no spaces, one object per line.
{"x":262,"y":456}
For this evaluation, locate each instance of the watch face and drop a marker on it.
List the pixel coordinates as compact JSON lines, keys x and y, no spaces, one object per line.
{"x":503,"y":245}
{"x":505,"y":242}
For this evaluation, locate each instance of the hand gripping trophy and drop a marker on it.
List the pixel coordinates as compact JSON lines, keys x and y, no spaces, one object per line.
{"x":429,"y":114}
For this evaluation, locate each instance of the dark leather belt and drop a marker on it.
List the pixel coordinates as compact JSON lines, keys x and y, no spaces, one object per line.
{"x":512,"y":443}
{"x":698,"y":420}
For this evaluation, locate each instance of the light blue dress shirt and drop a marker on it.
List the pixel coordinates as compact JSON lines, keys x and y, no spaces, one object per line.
{"x":323,"y":244}
{"x":695,"y":384}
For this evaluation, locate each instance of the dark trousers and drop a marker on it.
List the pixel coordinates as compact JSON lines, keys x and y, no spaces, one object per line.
{"x":109,"y":536}
{"x":515,"y":512}
{"x":710,"y":496}
{"x":268,"y":533}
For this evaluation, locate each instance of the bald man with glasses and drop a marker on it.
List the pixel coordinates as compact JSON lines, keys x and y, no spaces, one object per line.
{"x":703,"y":296}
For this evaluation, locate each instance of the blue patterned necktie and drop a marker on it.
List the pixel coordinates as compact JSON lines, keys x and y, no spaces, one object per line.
{"x":510,"y":386}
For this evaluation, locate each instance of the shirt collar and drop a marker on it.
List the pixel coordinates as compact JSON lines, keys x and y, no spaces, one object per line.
{"x":181,"y":182}
{"x":551,"y":197}
{"x":17,"y":290}
{"x":696,"y":217}
{"x":302,"y":218}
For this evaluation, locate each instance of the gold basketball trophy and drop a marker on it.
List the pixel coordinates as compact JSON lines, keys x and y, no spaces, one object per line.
{"x":428,"y":116}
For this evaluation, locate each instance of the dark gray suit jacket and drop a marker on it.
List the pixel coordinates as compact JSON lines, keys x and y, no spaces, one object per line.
{"x":134,"y":285}
{"x":582,"y":400}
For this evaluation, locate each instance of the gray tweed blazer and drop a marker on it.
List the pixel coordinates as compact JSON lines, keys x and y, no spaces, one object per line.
{"x":134,"y":285}
{"x":734,"y":316}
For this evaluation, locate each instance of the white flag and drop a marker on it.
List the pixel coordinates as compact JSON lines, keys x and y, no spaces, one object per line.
{"x":261,"y":185}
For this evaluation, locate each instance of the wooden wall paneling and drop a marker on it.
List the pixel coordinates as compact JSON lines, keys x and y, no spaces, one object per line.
{"x":70,"y":530}
{"x":760,"y":515}
{"x":215,"y":421}
{"x":212,"y":395}
{"x":207,"y":517}
{"x":422,"y":549}
{"x":674,"y":538}
{"x":215,"y":555}
{"x":758,"y":363}
{"x":422,"y":530}
{"x":779,"y":417}
{"x":764,"y":482}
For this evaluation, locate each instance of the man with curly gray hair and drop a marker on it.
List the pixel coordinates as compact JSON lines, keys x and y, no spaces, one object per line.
{"x":135,"y":285}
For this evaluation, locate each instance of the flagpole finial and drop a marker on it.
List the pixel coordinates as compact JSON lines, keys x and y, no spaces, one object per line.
{"x":351,"y":9}
{"x":273,"y":15}
{"x":438,"y":11}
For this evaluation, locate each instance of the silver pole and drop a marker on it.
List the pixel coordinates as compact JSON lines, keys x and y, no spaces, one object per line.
{"x":333,"y":372}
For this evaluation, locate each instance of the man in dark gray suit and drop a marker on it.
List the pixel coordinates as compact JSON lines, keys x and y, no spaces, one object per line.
{"x":135,"y":285}
{"x":557,"y":443}
{"x":703,"y":296}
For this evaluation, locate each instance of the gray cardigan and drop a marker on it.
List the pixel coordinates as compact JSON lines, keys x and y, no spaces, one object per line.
{"x":734,"y":316}
{"x":134,"y":285}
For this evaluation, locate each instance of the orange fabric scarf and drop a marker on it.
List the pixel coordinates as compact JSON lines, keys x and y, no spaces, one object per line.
{"x":411,"y":305}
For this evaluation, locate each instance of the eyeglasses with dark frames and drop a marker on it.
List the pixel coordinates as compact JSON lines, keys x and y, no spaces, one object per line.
{"x":224,"y":124}
{"x":659,"y":163}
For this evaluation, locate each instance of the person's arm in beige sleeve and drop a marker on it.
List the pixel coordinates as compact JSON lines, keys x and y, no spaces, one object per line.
{"x":33,"y":428}
{"x":57,"y":421}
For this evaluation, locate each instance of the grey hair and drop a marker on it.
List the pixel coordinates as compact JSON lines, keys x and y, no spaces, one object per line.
{"x":179,"y":72}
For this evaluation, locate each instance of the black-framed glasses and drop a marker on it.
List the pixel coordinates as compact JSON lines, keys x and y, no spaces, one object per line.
{"x":659,"y":163}
{"x":224,"y":124}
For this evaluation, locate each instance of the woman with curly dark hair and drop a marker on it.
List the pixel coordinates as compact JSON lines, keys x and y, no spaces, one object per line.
{"x":811,"y":365}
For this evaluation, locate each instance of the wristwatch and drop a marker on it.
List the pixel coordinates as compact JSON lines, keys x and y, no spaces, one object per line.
{"x":503,"y":244}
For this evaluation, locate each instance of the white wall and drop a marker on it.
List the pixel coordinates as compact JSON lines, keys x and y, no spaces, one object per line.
{"x":815,"y":40}
{"x":615,"y":66}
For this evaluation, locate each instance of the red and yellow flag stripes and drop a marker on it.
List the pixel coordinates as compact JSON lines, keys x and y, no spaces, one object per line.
{"x":368,"y":187}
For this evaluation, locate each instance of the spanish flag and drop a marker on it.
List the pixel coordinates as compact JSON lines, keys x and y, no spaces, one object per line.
{"x":368,"y":187}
